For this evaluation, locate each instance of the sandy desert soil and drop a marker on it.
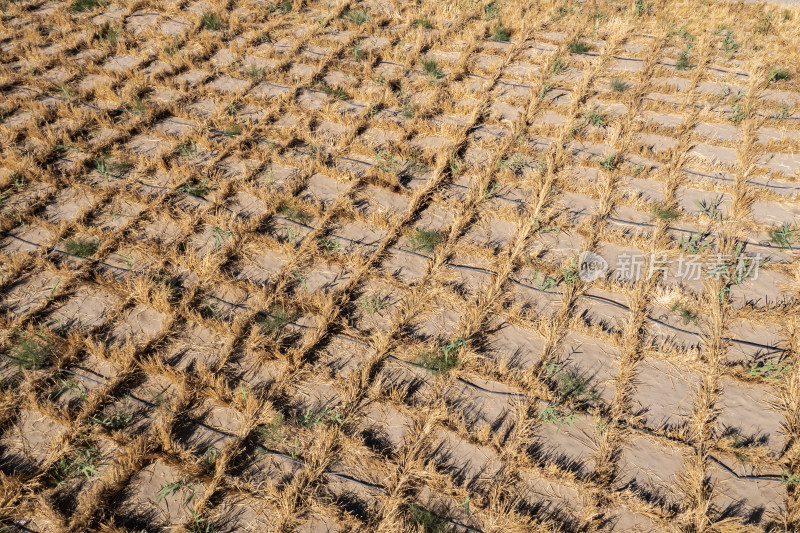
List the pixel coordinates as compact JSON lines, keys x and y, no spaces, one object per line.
{"x":314,"y":266}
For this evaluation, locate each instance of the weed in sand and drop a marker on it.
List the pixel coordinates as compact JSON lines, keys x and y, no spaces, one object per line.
{"x":610,"y":162}
{"x":546,"y":88}
{"x":291,"y":212}
{"x":696,"y":243}
{"x":232,"y":130}
{"x":374,"y":303}
{"x":445,"y":358}
{"x":139,"y":106}
{"x":426,"y":520}
{"x":437,"y":362}
{"x":329,"y":245}
{"x":432,"y":70}
{"x":284,"y":6}
{"x":116,"y":420}
{"x":570,"y":385}
{"x":85,"y":461}
{"x":423,"y":23}
{"x":195,"y":189}
{"x":729,"y":45}
{"x":685,"y":313}
{"x":558,"y":417}
{"x":710,"y":208}
{"x":642,"y":8}
{"x":32,"y":351}
{"x":357,"y":16}
{"x":741,"y":449}
{"x":272,"y":433}
{"x":571,"y":273}
{"x":784,"y":236}
{"x":66,"y":91}
{"x":199,"y":523}
{"x":188,"y":149}
{"x":595,"y":117}
{"x":683,"y":61}
{"x":576,"y":46}
{"x":358,"y":50}
{"x":662,"y":212}
{"x":111,"y":33}
{"x":492,"y":10}
{"x":778,"y":74}
{"x":501,"y":33}
{"x":324,"y":418}
{"x":769,"y":369}
{"x":424,"y":240}
{"x":738,"y":114}
{"x":276,"y":319}
{"x":108,"y":168}
{"x":173,"y":487}
{"x":82,"y":247}
{"x":336,"y":92}
{"x":84,"y":5}
{"x":69,"y":384}
{"x":787,"y":478}
{"x":210,"y":21}
{"x":386,"y":161}
{"x":782,"y":113}
{"x":174,"y":48}
{"x":619,"y":86}
{"x":765,"y":23}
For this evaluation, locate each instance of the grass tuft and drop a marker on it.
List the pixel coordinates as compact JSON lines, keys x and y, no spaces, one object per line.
{"x":374,"y":303}
{"x":571,"y":385}
{"x":336,"y":92}
{"x":431,"y":69}
{"x":665,"y":213}
{"x":424,"y":240}
{"x":81,"y":247}
{"x":210,"y":21}
{"x":619,"y":86}
{"x":79,"y":6}
{"x":293,"y":213}
{"x":357,"y":16}
{"x":32,"y":351}
{"x":778,"y":74}
{"x":85,"y":462}
{"x":270,"y":434}
{"x":116,"y":420}
{"x":501,"y":33}
{"x":683,"y":61}
{"x":576,"y":46}
{"x":444,"y":359}
{"x":195,"y":189}
{"x":428,"y":521}
{"x":595,"y":118}
{"x":276,"y":319}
